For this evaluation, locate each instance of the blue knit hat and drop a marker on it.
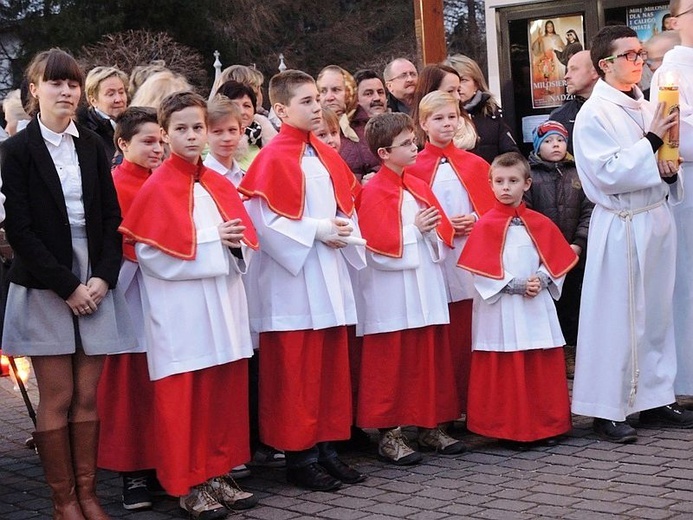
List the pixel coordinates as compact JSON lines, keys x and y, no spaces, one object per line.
{"x":544,"y":130}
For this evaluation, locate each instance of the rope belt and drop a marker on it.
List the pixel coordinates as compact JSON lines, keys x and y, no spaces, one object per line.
{"x":626,"y":215}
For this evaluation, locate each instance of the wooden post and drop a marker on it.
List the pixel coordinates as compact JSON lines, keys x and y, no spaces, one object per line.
{"x":430,"y":31}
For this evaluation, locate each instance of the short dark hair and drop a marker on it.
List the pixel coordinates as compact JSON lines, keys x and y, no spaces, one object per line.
{"x":53,"y":64}
{"x":382,"y":129}
{"x":130,"y":121}
{"x":236,"y":90}
{"x":365,"y":74}
{"x":511,"y":160}
{"x":602,"y":45}
{"x":179,"y":101}
{"x":282,"y":86}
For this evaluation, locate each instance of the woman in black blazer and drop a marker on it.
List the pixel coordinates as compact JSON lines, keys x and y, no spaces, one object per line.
{"x":62,"y":220}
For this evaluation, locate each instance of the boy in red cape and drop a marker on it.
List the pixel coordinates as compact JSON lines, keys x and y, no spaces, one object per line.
{"x":406,"y":365}
{"x":300,"y":295}
{"x":190,"y":231}
{"x":125,"y":396}
{"x":459,"y":180}
{"x":518,"y":389}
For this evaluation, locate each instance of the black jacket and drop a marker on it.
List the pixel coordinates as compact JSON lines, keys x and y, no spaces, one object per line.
{"x":37,"y":224}
{"x":494,"y":136}
{"x":101,"y":126}
{"x":556,"y":192}
{"x":565,"y":114}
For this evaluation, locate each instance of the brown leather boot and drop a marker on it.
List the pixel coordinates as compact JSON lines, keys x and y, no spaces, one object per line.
{"x":54,"y":451}
{"x":84,"y":438}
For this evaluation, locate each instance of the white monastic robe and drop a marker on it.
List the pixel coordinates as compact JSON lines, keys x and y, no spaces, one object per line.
{"x":214,"y":330}
{"x":626,"y":359}
{"x":680,"y":59}
{"x":296,"y":282}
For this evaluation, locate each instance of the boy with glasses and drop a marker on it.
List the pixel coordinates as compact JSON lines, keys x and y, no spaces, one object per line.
{"x":626,"y":363}
{"x":680,"y":59}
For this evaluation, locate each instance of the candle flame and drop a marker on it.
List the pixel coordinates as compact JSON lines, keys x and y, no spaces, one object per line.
{"x":670,"y":79}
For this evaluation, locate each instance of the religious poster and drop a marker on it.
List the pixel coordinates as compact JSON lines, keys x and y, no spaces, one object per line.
{"x":648,"y":20}
{"x":551,"y":44}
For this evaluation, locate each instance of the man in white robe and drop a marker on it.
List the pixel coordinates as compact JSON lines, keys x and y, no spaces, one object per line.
{"x":626,"y":360}
{"x":680,"y":60}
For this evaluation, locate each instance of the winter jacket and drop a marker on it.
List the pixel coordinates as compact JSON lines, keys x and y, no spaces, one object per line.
{"x":565,"y":114}
{"x":556,"y":192}
{"x":356,"y":153}
{"x":495,"y":137}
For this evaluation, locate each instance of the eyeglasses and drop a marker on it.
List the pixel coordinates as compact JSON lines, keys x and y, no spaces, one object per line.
{"x":410,"y":74}
{"x":681,"y":14}
{"x":631,"y":56}
{"x":405,"y":144}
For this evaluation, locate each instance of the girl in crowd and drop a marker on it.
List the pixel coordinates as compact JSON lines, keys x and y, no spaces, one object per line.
{"x":62,"y":222}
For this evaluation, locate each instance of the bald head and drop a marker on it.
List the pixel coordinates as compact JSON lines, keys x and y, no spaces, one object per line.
{"x":580,"y":76}
{"x":400,"y":79}
{"x":658,"y":46}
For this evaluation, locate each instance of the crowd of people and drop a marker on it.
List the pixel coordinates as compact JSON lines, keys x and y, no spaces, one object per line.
{"x":204,"y":285}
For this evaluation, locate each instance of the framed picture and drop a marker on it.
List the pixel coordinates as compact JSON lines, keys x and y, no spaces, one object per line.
{"x":649,"y":20}
{"x":552,"y":41}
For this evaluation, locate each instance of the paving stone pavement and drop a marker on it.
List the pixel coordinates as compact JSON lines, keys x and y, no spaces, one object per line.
{"x":582,"y":478}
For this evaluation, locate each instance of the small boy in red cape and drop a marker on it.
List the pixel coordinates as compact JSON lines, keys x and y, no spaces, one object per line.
{"x":459,"y":180}
{"x":190,"y":231}
{"x":125,"y":396}
{"x":518,"y":389}
{"x":406,"y":373}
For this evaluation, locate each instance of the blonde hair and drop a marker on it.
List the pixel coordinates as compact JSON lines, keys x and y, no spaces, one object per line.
{"x":465,"y":137}
{"x":249,"y":76}
{"x":350,"y":89}
{"x":14,"y":111}
{"x":434,"y":101}
{"x":330,"y":118}
{"x":467,"y":67}
{"x":158,"y":86}
{"x":99,"y":74}
{"x":282,"y":86}
{"x":140,"y":74}
{"x":220,"y":107}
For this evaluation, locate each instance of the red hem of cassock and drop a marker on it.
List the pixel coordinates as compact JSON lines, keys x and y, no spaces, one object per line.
{"x":520,"y":396}
{"x":460,"y":332}
{"x":125,"y":401}
{"x":305,"y":388}
{"x":355,"y":345}
{"x":201,"y":425}
{"x":407,"y":378}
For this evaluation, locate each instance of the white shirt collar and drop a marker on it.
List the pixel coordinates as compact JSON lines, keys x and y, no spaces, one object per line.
{"x":212,"y":163}
{"x":53,"y":137}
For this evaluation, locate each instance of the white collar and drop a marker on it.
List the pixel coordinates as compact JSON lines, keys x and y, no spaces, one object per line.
{"x":212,"y":163}
{"x":605,"y":91}
{"x":53,"y":137}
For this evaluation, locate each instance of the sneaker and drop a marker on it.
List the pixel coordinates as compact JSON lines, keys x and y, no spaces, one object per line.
{"x":227,"y":492}
{"x":439,"y":441}
{"x":239,"y":472}
{"x":341,"y":471}
{"x":669,"y":416}
{"x":154,"y":486}
{"x":393,"y":448}
{"x":615,"y":431}
{"x":201,"y":505}
{"x":135,"y":493}
{"x":312,"y":476}
{"x":268,"y":457}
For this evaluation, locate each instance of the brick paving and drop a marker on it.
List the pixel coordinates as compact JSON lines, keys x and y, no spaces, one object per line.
{"x":580,"y":478}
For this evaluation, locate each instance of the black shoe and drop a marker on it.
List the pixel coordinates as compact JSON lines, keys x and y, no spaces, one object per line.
{"x":615,"y":431}
{"x":136,"y":496}
{"x":312,"y":477}
{"x":669,"y":416}
{"x":339,"y":470}
{"x":154,"y":486}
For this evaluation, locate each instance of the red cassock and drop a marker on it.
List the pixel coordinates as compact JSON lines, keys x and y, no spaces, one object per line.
{"x":523,"y":395}
{"x":125,"y":397}
{"x":406,"y":376}
{"x":305,"y":386}
{"x":200,"y":417}
{"x":472,"y":172}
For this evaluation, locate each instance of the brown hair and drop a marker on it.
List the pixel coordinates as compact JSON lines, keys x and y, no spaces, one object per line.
{"x":219,"y":108}
{"x":283,"y":85}
{"x":467,"y":67}
{"x":179,"y":101}
{"x":382,"y":129}
{"x":511,"y":160}
{"x":53,"y":64}
{"x":602,"y":45}
{"x":128,"y":123}
{"x":330,"y":118}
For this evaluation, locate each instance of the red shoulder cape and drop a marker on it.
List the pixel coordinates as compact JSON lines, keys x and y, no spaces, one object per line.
{"x":276,"y":175}
{"x":162,"y":213}
{"x":471,"y":170}
{"x":128,"y":178}
{"x":379,"y":206}
{"x":483,"y":252}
